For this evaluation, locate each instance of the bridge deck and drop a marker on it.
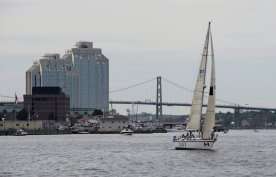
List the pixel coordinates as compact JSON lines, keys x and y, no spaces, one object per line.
{"x":189,"y":104}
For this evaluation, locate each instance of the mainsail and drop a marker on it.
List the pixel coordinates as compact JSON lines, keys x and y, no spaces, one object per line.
{"x":209,"y":121}
{"x":196,"y":109}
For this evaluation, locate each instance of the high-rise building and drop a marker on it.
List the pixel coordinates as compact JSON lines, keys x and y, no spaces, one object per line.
{"x":82,"y":73}
{"x":56,"y":71}
{"x":33,"y":77}
{"x":94,"y":74}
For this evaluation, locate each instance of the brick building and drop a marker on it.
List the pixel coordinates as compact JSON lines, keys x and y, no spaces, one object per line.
{"x":47,"y":103}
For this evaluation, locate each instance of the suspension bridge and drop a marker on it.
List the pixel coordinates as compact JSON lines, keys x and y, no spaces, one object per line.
{"x":159,"y":103}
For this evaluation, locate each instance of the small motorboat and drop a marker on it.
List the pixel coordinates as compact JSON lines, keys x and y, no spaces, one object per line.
{"x":20,"y":132}
{"x":126,"y":131}
{"x":177,"y":128}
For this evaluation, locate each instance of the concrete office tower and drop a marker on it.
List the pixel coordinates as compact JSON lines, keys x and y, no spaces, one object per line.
{"x":33,"y":77}
{"x":93,"y":70}
{"x":53,"y":71}
{"x":59,"y":72}
{"x":82,"y":73}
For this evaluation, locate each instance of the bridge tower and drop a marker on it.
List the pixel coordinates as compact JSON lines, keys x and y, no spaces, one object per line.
{"x":159,"y":112}
{"x":237,"y":119}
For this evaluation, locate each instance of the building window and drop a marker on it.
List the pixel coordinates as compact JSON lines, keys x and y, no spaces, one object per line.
{"x":1,"y":125}
{"x":112,"y":122}
{"x":17,"y":125}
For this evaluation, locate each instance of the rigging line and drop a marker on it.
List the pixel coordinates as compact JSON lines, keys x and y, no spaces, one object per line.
{"x":132,"y":86}
{"x":190,"y":90}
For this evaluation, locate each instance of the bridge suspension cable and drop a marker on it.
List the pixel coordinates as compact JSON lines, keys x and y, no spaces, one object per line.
{"x":190,"y":90}
{"x":132,"y":86}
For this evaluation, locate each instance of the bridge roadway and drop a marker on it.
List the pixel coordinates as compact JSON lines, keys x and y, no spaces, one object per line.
{"x":236,"y":107}
{"x":189,"y":104}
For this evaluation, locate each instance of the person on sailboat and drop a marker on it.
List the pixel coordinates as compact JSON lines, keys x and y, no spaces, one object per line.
{"x":200,"y":126}
{"x":187,"y":134}
{"x":212,"y":134}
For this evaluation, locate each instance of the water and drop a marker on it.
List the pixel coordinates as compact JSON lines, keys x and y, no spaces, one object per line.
{"x":238,"y":153}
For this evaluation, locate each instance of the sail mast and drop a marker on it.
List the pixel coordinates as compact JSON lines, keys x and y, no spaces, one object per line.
{"x":209,"y":121}
{"x":198,"y":95}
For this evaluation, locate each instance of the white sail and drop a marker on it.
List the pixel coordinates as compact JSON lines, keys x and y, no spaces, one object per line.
{"x":209,"y":121}
{"x":204,"y":138}
{"x":196,"y":109}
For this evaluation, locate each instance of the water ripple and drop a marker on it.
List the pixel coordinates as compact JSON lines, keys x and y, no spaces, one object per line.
{"x":238,"y":153}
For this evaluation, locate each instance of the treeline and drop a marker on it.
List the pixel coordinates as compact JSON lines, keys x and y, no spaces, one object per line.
{"x":247,"y":119}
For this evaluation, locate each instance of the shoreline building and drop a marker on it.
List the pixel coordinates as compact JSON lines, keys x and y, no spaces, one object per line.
{"x":82,"y":73}
{"x":47,"y":103}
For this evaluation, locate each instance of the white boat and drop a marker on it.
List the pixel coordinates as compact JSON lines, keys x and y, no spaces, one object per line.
{"x":20,"y":132}
{"x":83,"y":129}
{"x":126,"y":131}
{"x":177,"y":128}
{"x":199,"y":133}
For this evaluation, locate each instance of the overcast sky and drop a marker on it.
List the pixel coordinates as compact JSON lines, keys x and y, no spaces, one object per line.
{"x":146,"y":38}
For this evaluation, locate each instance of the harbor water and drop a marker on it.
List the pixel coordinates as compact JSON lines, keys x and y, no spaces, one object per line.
{"x":236,"y":154}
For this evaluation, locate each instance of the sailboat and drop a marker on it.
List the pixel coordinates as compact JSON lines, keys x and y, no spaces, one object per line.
{"x":199,"y":133}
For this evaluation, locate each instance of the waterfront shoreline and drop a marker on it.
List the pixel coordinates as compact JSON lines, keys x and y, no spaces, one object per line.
{"x":65,"y":132}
